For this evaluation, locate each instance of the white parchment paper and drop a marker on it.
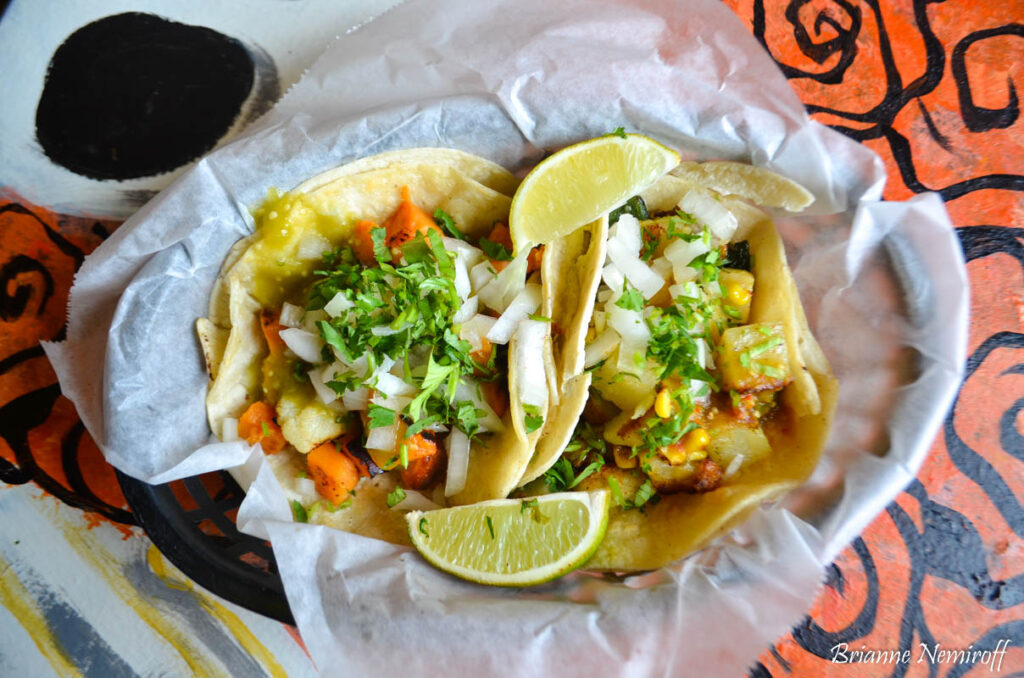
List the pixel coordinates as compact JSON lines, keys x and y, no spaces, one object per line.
{"x":883,"y":284}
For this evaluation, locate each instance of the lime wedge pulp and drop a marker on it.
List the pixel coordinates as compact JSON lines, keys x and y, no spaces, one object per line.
{"x":512,"y":542}
{"x":579,"y":183}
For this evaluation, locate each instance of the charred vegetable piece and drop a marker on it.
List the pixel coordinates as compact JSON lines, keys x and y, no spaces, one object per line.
{"x":425,"y":460}
{"x":334,"y":471}
{"x":754,"y":358}
{"x":257,"y":425}
{"x":404,"y":223}
{"x":737,"y":255}
{"x":635,"y":206}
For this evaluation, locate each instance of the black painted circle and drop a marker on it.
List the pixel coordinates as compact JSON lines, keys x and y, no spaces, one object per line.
{"x":134,"y":95}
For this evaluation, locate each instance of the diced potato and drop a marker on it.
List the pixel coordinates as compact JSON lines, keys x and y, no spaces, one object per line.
{"x":627,"y":391}
{"x":619,"y":431}
{"x":306,"y":425}
{"x":670,"y":478}
{"x":730,"y":439}
{"x":754,"y":358}
{"x":737,"y":291}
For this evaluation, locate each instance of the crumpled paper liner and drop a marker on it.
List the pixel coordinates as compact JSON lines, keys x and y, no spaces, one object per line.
{"x":883,"y":284}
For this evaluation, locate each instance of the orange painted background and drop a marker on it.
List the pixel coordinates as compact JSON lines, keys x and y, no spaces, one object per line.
{"x":930,"y":86}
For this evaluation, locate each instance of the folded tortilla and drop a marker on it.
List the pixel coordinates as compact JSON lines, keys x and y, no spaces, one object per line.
{"x":266,"y":269}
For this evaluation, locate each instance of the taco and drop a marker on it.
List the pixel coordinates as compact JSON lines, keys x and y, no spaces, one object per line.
{"x":374,"y":336}
{"x":706,"y":392}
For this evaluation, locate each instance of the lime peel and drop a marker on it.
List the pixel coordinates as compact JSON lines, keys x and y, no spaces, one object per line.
{"x":512,"y":542}
{"x":578,"y":184}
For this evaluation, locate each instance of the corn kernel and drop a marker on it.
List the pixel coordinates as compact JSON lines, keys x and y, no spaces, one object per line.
{"x":738,"y":295}
{"x":674,"y":453}
{"x":663,"y":404}
{"x":695,"y":440}
{"x":699,"y":455}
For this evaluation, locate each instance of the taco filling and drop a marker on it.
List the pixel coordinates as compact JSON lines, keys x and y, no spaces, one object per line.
{"x":681,"y":379}
{"x":390,"y":369}
{"x":707,"y":395}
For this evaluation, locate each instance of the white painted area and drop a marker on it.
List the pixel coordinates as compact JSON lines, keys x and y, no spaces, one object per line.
{"x":293,"y":32}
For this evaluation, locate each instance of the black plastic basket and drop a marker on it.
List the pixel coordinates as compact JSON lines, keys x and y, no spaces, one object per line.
{"x":192,"y":522}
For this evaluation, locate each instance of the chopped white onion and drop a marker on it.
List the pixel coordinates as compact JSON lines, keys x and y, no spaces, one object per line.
{"x":526,"y":302}
{"x":708,"y":211}
{"x":500,"y":292}
{"x":481,"y":274}
{"x":466,"y":311}
{"x":475,"y":329}
{"x":604,"y":295}
{"x":356,"y":400}
{"x":229,"y":430}
{"x":386,"y":330}
{"x":468,"y":254}
{"x":414,"y":501}
{"x":312,"y":246}
{"x":532,"y":377}
{"x":306,"y":489}
{"x":396,"y":403}
{"x":639,"y":274}
{"x":734,"y":466}
{"x":613,"y":278}
{"x":319,"y":378}
{"x":682,"y":252}
{"x":311,"y":318}
{"x":663,"y":267}
{"x":457,"y":445}
{"x":304,"y":344}
{"x":291,"y":315}
{"x":601,"y":347}
{"x":627,"y":232}
{"x":704,"y":355}
{"x":390,"y":385}
{"x":634,"y":333}
{"x":337,"y":304}
{"x":469,"y":390}
{"x":383,"y":438}
{"x":463,"y":287}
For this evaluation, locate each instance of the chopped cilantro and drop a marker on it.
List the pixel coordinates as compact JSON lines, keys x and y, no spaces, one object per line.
{"x":299,"y":512}
{"x":423,"y":527}
{"x":421,"y":424}
{"x":764,"y":346}
{"x":490,"y":525}
{"x":618,"y":132}
{"x":266,"y":429}
{"x":562,"y":476}
{"x":380,"y":249}
{"x":444,"y":220}
{"x":532,"y":419}
{"x":645,"y":493}
{"x":395,"y":497}
{"x":403,"y":455}
{"x":528,"y":503}
{"x":631,"y":299}
{"x":299,"y":371}
{"x":379,"y":416}
{"x":539,"y":318}
{"x":495,"y":250}
{"x":617,"y":497}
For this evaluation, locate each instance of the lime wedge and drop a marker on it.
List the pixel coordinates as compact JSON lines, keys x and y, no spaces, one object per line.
{"x":579,"y":183}
{"x":512,"y":542}
{"x":756,"y":184}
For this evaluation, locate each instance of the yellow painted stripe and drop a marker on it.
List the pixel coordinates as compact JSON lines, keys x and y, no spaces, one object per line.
{"x":230,"y":620}
{"x":88,"y":549}
{"x":16,"y":598}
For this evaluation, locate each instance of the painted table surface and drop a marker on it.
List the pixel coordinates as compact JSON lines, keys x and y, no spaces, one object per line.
{"x":930,"y":86}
